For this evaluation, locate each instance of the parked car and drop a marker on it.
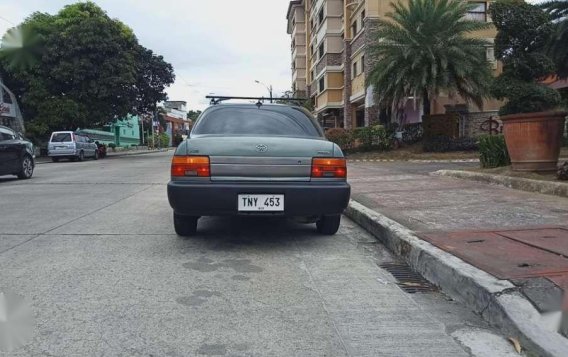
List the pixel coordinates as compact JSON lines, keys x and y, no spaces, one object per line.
{"x":16,"y":154}
{"x":266,"y":160}
{"x":69,"y":145}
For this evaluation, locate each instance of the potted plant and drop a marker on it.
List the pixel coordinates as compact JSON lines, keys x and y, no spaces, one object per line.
{"x":532,"y":129}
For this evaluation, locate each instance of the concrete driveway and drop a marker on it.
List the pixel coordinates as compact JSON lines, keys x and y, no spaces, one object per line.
{"x":91,"y":247}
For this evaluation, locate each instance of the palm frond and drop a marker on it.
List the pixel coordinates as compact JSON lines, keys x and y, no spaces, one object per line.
{"x":427,"y":47}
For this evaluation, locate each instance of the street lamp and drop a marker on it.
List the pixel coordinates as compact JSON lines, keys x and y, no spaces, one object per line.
{"x":267,"y":87}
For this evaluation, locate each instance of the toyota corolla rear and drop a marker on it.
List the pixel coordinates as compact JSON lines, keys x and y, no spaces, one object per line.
{"x":258,"y":160}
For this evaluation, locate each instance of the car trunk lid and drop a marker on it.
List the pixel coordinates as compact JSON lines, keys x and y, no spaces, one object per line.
{"x":242,"y":158}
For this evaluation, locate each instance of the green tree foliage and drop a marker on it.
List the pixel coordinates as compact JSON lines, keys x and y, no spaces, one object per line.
{"x":523,"y":31}
{"x":80,"y":68}
{"x":558,"y":45}
{"x":193,"y":115}
{"x":426,"y":48}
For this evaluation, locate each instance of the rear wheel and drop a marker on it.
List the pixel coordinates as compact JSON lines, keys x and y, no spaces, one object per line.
{"x":27,"y":168}
{"x":81,"y":156}
{"x":55,"y":159}
{"x":185,"y":226}
{"x":328,"y":225}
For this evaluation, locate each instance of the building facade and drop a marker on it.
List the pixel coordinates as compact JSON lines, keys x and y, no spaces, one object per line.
{"x":330,"y":61}
{"x":10,"y":114}
{"x":120,"y":132}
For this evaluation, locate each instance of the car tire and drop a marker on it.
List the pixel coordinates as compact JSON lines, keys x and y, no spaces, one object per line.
{"x":185,"y":226}
{"x":55,"y":159}
{"x":329,"y":225}
{"x":81,"y":156}
{"x":27,"y":168}
{"x":96,"y":154}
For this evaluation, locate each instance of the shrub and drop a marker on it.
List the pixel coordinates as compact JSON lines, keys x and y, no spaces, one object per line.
{"x":412,"y":133}
{"x":341,"y":137}
{"x":493,"y":151}
{"x":367,"y":138}
{"x":438,"y":143}
{"x":372,"y":137}
{"x":112,"y":146}
{"x":523,"y":30}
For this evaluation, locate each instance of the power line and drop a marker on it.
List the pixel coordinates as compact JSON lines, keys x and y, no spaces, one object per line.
{"x":8,"y":21}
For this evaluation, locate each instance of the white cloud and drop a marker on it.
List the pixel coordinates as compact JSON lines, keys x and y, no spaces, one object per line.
{"x":218,"y":46}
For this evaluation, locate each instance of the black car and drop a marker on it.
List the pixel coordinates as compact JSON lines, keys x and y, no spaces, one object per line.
{"x":16,"y":154}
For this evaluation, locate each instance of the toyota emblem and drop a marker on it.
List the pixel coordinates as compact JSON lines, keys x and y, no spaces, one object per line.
{"x":261,"y":148}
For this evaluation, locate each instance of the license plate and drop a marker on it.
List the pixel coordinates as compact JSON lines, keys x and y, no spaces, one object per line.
{"x":262,"y":203}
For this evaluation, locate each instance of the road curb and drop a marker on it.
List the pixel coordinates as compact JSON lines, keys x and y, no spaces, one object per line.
{"x":117,"y":155}
{"x":517,"y":183}
{"x":497,"y":301}
{"x":415,"y":160}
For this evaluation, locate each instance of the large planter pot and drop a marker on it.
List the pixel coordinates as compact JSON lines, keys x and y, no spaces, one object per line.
{"x":534,"y":140}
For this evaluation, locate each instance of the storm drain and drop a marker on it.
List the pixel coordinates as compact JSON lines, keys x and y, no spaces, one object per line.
{"x":408,"y":280}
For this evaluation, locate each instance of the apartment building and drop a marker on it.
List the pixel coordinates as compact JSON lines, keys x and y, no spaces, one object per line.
{"x":330,"y":60}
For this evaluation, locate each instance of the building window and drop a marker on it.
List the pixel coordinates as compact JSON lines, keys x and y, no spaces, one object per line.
{"x":311,"y":75}
{"x":320,"y":16}
{"x":354,"y":73}
{"x":490,"y":55}
{"x":478,"y":12}
{"x":354,"y":28}
{"x":322,"y":84}
{"x":362,"y":64}
{"x":363,"y":14}
{"x":360,"y":118}
{"x":321,"y":51}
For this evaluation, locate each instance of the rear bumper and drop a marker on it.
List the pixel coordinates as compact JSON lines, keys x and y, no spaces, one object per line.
{"x":220,"y":199}
{"x":62,"y":153}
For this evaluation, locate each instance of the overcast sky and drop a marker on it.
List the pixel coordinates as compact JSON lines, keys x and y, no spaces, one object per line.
{"x":215,"y":46}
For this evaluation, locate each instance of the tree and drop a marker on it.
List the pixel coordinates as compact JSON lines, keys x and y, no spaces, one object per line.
{"x":558,"y":45}
{"x":306,"y":103}
{"x":523,"y":31}
{"x":80,"y":68}
{"x":193,"y":115}
{"x":425,"y":49}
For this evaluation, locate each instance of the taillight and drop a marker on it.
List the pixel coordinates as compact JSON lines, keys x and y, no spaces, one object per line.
{"x":183,"y":166}
{"x":329,"y":168}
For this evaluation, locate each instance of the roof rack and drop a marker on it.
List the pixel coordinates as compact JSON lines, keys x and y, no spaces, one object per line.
{"x":216,"y":99}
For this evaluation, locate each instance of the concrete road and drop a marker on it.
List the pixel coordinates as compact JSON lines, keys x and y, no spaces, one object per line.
{"x":91,"y":246}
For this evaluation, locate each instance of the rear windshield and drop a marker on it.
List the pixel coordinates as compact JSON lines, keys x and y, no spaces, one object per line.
{"x":61,"y":137}
{"x":270,"y":121}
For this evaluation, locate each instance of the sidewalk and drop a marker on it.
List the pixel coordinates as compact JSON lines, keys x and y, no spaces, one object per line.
{"x":519,"y":238}
{"x":110,"y":154}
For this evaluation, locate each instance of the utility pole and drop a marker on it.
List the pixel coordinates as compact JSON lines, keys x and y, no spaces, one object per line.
{"x":269,"y":88}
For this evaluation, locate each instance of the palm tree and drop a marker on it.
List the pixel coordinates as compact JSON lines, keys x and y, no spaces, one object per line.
{"x":427,"y":48}
{"x":558,"y":47}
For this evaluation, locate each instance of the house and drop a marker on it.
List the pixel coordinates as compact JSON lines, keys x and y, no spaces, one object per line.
{"x":120,"y":132}
{"x":10,"y":114}
{"x":330,"y":61}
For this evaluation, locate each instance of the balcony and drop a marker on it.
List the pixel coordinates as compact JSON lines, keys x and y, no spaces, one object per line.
{"x":329,"y":98}
{"x":329,"y":59}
